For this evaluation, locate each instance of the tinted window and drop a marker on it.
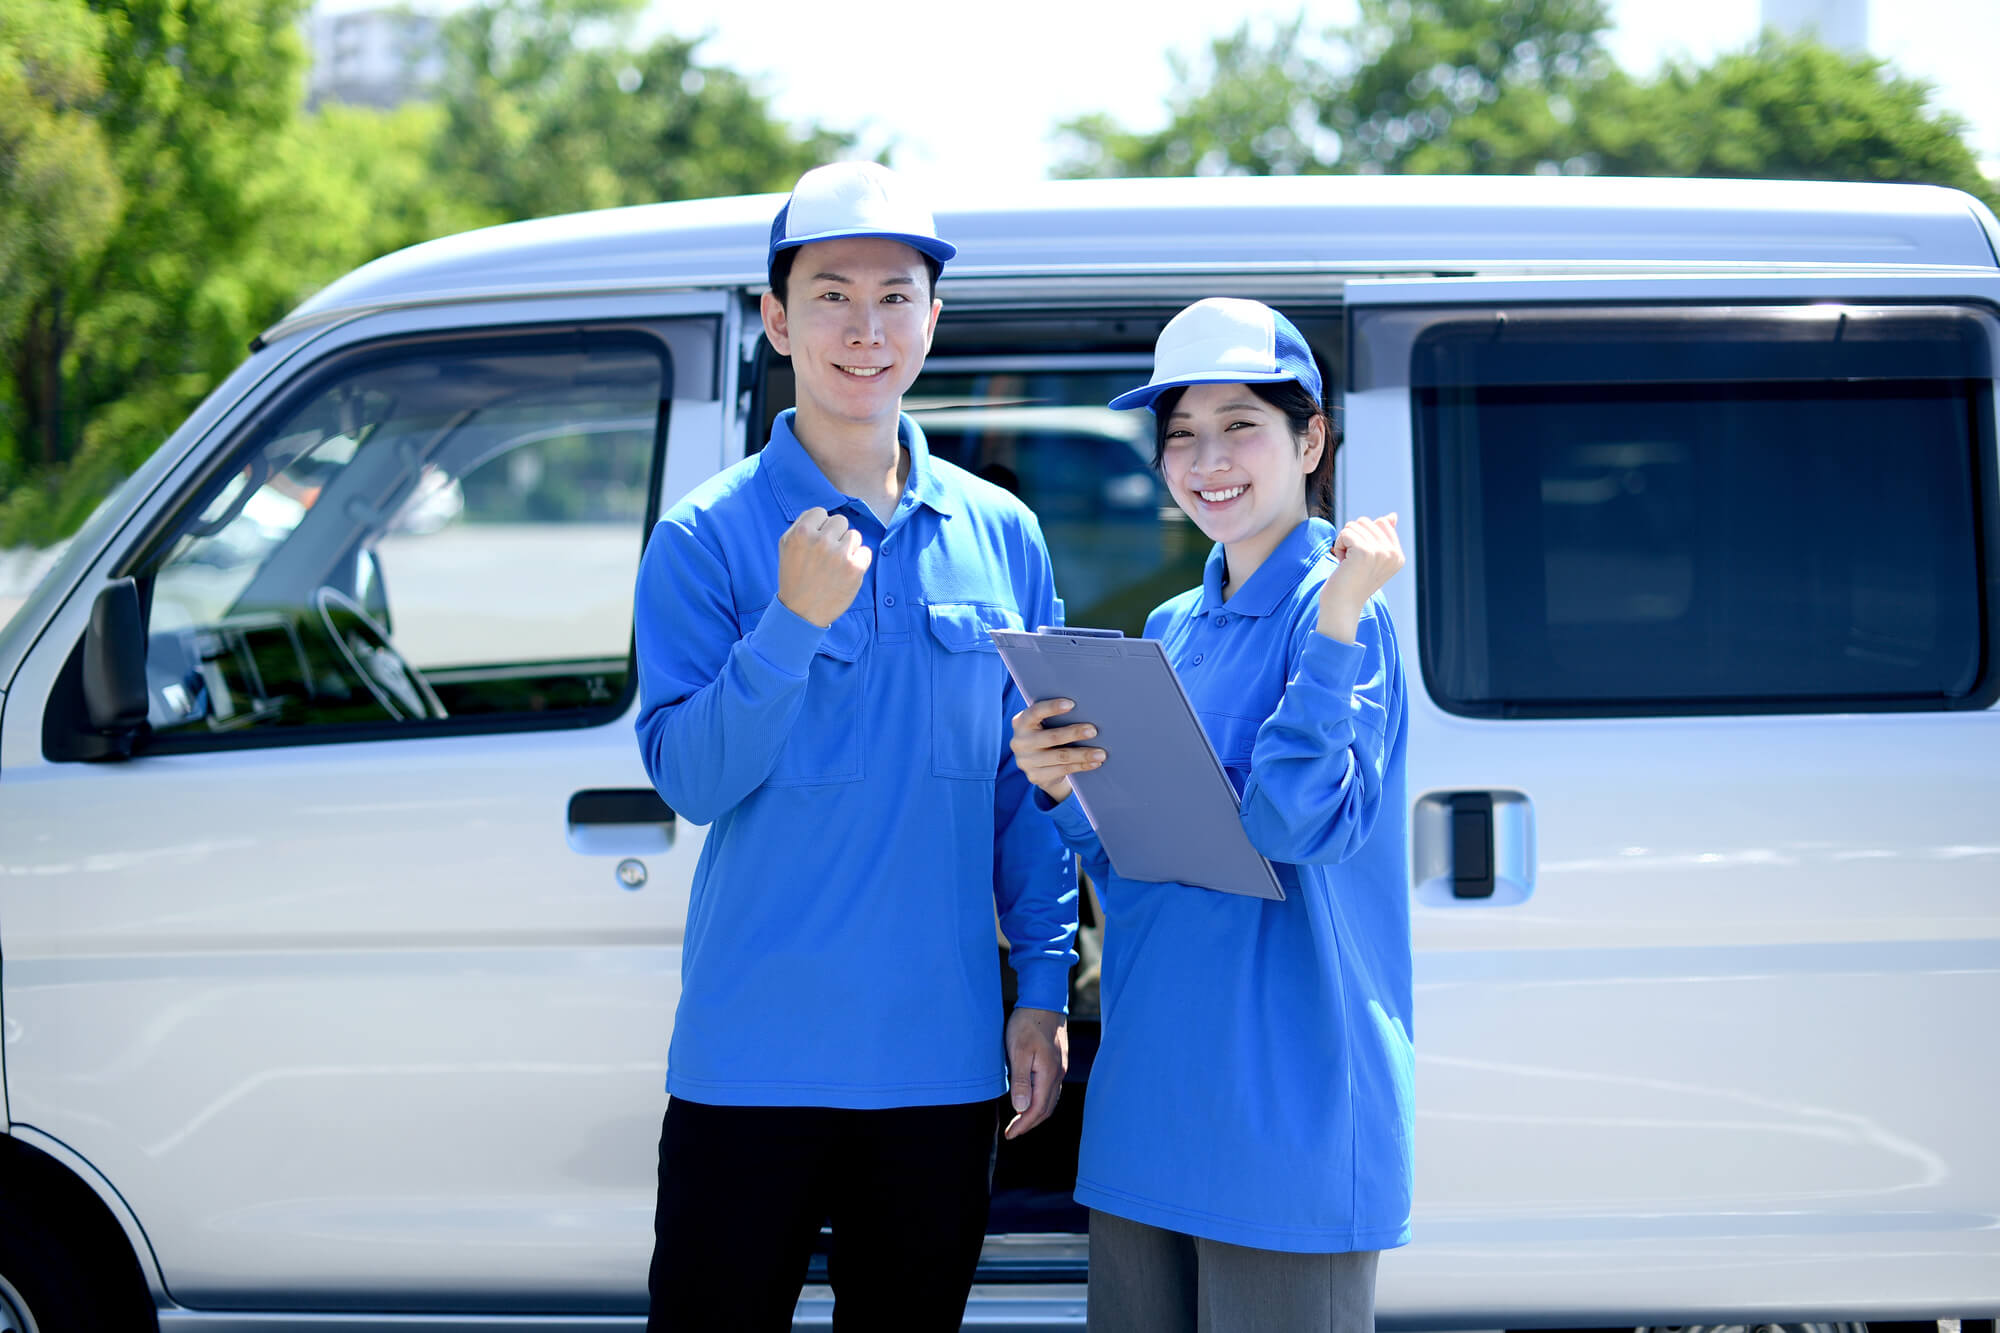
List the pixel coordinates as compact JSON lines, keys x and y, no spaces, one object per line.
{"x":1732,"y":543}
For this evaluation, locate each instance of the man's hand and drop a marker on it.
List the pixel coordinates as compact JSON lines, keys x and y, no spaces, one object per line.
{"x":821,"y":559}
{"x":1037,"y":1055}
{"x":1369,"y":553}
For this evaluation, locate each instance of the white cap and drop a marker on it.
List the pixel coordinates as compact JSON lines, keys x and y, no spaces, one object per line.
{"x":856,"y":199}
{"x":1226,"y":340}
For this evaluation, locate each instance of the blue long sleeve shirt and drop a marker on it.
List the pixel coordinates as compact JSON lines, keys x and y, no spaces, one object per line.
{"x":867,"y":818}
{"x":1254,"y":1085}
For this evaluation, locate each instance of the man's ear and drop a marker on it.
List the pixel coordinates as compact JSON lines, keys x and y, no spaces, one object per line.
{"x":930,"y":329}
{"x":777,"y":329}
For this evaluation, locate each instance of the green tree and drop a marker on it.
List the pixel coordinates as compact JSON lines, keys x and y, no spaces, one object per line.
{"x":1488,"y":86}
{"x":1253,"y":109}
{"x":128,"y":333}
{"x":551,"y":108}
{"x":59,"y":199}
{"x":1496,"y":80}
{"x":1787,"y":109}
{"x":1520,"y":86}
{"x":350,"y":183}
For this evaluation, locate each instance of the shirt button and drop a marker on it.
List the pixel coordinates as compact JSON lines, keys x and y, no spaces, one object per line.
{"x":887,"y":542}
{"x":890,"y":600}
{"x":1221,"y":620}
{"x":1197,"y":659}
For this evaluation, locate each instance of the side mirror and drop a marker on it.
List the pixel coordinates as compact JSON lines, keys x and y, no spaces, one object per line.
{"x":114,"y":662}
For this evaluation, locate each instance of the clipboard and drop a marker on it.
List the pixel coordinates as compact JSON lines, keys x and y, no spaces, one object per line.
{"x":1162,"y":804}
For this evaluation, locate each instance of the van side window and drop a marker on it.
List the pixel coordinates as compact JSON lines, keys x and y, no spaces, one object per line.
{"x":1704,"y":511}
{"x":419,"y":537}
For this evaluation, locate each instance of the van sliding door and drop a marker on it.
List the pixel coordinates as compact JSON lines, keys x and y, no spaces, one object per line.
{"x":1702,"y":753}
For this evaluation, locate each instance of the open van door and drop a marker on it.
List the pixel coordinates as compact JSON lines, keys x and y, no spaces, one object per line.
{"x":1704,"y":763}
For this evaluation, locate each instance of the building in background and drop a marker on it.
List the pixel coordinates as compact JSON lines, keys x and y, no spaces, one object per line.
{"x":373,"y":57}
{"x":1840,"y":24}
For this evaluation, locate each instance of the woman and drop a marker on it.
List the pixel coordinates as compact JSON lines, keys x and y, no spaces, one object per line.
{"x":1246,"y":1145}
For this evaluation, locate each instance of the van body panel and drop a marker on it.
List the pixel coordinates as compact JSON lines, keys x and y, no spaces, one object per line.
{"x":360,"y":1021}
{"x":1230,"y":224}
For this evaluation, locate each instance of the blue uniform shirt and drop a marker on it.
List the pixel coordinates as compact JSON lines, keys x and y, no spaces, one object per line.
{"x":1254,"y":1083}
{"x":867,"y":815}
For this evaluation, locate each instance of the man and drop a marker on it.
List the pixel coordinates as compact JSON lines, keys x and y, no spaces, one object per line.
{"x":816,"y":680}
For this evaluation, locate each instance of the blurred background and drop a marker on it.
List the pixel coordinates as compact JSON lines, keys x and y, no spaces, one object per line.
{"x":176,"y":174}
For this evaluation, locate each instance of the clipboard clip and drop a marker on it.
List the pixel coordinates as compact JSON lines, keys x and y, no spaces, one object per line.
{"x":1079,"y":632}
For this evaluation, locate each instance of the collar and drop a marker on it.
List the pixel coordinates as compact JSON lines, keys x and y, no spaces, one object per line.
{"x":1281,"y":572}
{"x":799,"y":484}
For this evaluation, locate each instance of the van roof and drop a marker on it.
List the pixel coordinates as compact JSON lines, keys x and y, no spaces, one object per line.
{"x":1327,"y":224}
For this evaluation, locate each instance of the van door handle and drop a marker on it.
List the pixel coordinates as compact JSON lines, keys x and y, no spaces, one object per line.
{"x":619,"y":805}
{"x":619,"y":821}
{"x":1472,"y":844}
{"x":1472,"y":848}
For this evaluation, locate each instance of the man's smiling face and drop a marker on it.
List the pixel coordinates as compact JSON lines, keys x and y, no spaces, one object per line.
{"x":857,"y":322}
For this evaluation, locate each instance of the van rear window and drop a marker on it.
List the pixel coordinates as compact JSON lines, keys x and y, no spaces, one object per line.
{"x":1785,"y":525}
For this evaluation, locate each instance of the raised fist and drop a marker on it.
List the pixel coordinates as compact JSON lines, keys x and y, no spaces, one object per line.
{"x":821,"y":560}
{"x":1369,"y":554}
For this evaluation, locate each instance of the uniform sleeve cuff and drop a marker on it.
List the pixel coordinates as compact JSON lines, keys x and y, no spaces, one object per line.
{"x":786,"y":640}
{"x":1042,"y":983}
{"x":1331,"y":663}
{"x":1071,"y":822}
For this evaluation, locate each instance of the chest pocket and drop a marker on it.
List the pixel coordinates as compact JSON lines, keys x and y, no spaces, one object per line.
{"x":968,"y":689}
{"x":825,"y":740}
{"x":1234,"y":738}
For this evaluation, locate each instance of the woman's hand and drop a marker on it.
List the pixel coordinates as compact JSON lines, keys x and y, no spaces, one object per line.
{"x":1369,"y":555}
{"x":1048,"y":755}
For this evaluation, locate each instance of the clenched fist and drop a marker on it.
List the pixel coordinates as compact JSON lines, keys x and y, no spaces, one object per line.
{"x":1369,"y":555}
{"x":821,"y":559}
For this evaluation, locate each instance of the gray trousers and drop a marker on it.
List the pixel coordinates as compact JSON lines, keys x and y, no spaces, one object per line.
{"x":1146,"y":1280}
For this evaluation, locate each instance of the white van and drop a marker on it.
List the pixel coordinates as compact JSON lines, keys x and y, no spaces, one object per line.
{"x":340,"y":930}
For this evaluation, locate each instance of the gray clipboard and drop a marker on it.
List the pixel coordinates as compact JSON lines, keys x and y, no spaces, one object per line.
{"x":1162,"y":804}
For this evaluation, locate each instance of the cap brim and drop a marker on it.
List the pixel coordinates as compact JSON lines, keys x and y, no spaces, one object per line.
{"x":942,"y":251}
{"x":1144,"y":395}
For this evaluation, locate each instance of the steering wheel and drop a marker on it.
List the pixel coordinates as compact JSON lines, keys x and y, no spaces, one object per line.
{"x":396,"y":685}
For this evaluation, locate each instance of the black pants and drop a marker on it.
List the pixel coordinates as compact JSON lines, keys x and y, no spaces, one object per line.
{"x":745,"y":1189}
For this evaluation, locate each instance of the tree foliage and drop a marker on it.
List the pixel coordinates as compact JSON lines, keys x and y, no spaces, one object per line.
{"x":124,"y":332}
{"x":1521,"y":86}
{"x":58,"y":193}
{"x":164,"y":195}
{"x":1254,"y":109}
{"x":551,"y":107}
{"x":1792,"y":110}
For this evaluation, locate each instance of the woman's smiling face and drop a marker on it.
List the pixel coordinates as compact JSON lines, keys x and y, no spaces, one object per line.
{"x":1233,"y":464}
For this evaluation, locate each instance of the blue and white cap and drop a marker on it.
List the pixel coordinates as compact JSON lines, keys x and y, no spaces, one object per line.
{"x":1226,"y":340}
{"x":856,"y":199}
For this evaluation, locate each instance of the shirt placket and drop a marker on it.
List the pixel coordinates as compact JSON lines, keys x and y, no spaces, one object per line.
{"x":891,"y":575}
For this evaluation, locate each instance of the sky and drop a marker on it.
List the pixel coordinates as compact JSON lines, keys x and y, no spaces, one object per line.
{"x":968,"y":94}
